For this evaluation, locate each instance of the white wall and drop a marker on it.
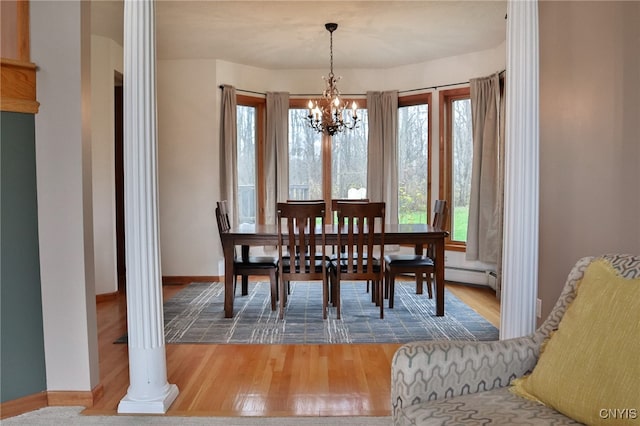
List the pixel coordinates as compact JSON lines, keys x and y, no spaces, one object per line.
{"x":589,"y":136}
{"x":188,"y":129}
{"x":188,"y":167}
{"x":60,"y":45}
{"x":106,"y":57}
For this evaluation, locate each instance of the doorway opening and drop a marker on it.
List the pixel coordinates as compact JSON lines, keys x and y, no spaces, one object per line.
{"x":119,"y":181}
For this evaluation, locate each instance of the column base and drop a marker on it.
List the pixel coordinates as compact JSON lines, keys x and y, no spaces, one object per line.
{"x":154,"y":406}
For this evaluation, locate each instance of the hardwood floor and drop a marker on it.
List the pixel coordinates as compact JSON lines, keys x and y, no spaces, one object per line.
{"x":264,"y":380}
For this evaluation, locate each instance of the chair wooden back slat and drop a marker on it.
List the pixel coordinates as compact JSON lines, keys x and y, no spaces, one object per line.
{"x":439,"y":222}
{"x":224,"y":225}
{"x":302,"y":239}
{"x":335,"y":201}
{"x":439,"y":214}
{"x":357,"y":233}
{"x":222,"y":215}
{"x":360,"y":232}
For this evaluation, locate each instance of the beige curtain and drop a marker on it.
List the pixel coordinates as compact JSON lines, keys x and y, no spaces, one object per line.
{"x":229,"y":151}
{"x":276,"y":153}
{"x":500,"y":198}
{"x":484,"y":237}
{"x":382,"y":166}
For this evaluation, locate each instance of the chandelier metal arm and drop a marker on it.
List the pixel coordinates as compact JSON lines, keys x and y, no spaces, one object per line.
{"x":327,"y":115}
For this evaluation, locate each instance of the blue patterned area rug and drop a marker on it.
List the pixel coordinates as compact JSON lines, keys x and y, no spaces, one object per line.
{"x":196,"y":315}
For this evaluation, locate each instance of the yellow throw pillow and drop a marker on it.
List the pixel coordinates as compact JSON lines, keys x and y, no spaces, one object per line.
{"x":589,"y":369}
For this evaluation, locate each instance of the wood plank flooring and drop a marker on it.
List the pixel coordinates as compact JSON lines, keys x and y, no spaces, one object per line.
{"x":264,"y":380}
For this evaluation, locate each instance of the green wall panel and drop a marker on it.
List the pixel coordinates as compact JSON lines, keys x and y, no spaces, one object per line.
{"x":22,"y":362}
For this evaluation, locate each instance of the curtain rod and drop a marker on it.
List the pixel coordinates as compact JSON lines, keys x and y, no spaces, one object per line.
{"x":441,"y":85}
{"x":360,"y":94}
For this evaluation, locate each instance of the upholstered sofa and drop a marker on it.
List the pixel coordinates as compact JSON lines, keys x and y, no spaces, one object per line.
{"x":455,"y":382}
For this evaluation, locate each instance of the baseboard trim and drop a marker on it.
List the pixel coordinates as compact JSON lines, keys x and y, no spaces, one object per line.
{"x":74,"y":398}
{"x":106,"y":297}
{"x":18,"y":406}
{"x":186,"y":279}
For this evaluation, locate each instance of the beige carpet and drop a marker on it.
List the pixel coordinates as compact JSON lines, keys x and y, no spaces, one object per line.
{"x":71,"y":416}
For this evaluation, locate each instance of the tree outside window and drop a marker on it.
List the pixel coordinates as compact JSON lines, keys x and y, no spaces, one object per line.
{"x":246,"y":167}
{"x":456,"y":146}
{"x":349,"y":161}
{"x":413,"y":160}
{"x":305,"y":158}
{"x":461,"y":170}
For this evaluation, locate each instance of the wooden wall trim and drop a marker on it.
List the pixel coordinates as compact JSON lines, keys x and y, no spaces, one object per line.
{"x":43,"y":399}
{"x":18,"y":86}
{"x":74,"y":398}
{"x":106,"y":297}
{"x":18,"y":406}
{"x":186,"y":279}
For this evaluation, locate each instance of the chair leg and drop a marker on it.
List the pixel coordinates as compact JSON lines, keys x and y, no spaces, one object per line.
{"x":274,"y":289}
{"x":386,"y":283}
{"x":373,"y":292}
{"x":283,"y":297}
{"x":325,"y":296}
{"x":392,"y":288}
{"x":429,"y":285}
{"x":381,"y":298}
{"x":245,"y":285}
{"x":334,"y":280}
{"x":418,"y":282}
{"x":336,"y":293}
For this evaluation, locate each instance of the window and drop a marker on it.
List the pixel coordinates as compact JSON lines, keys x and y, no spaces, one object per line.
{"x":249,"y":119}
{"x":456,"y":146}
{"x":413,"y":159}
{"x":305,"y":158}
{"x":324,"y":167}
{"x":349,"y":161}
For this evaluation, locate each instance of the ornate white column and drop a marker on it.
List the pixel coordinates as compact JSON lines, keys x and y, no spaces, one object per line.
{"x":149,"y":391}
{"x":521,"y":211}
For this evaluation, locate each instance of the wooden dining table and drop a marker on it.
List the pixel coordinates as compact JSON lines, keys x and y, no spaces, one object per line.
{"x":415,"y":235}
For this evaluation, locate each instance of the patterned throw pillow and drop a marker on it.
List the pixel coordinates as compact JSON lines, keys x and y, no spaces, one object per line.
{"x":589,"y":369}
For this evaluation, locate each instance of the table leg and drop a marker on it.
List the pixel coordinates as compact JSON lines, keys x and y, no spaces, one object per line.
{"x":439,"y":276}
{"x":228,"y":280}
{"x":245,"y":278}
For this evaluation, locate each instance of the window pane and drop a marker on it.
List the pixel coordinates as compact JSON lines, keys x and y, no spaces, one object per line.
{"x":349,"y":161}
{"x":461,"y":170}
{"x":413,"y":139}
{"x":305,"y":158}
{"x":246,"y":124}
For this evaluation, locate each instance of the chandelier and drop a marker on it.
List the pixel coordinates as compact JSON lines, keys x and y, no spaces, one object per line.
{"x":330,"y":114}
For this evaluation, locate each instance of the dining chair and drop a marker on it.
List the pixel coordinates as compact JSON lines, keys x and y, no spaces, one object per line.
{"x":247,"y":265}
{"x":417,"y":264}
{"x":334,"y":212}
{"x":302,"y":247}
{"x":358,"y":226}
{"x":292,"y":201}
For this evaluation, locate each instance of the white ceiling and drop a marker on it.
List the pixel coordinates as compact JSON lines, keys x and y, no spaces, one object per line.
{"x":291,"y":34}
